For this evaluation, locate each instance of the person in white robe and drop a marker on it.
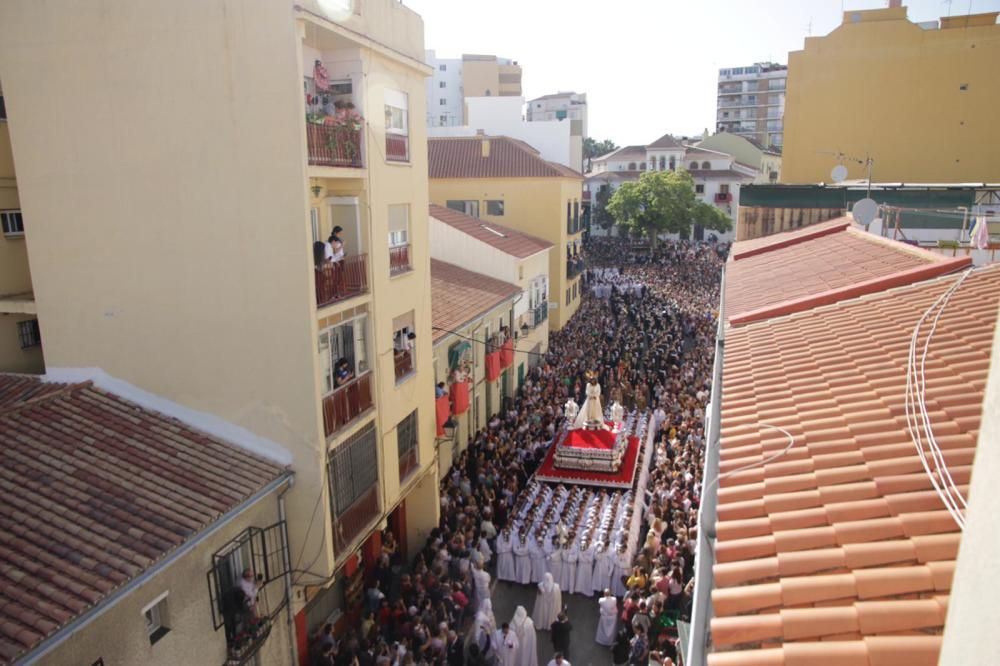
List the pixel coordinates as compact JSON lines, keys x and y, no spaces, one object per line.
{"x":505,"y":556}
{"x":537,"y":556}
{"x":524,"y":628}
{"x":547,"y":549}
{"x":485,"y":616}
{"x":506,"y":645}
{"x":481,"y":580}
{"x":609,"y":617}
{"x":604,"y":562}
{"x":621,"y":567}
{"x":555,"y":561}
{"x":585,"y":571}
{"x":522,"y":562}
{"x":548,"y":603}
{"x":571,"y":553}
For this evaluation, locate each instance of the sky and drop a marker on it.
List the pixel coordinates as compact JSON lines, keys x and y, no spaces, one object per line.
{"x":648,"y":66}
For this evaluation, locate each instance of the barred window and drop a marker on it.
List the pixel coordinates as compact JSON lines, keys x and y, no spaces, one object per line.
{"x":353,"y":468}
{"x":28,"y":334}
{"x":406,"y":442}
{"x":13,"y":222}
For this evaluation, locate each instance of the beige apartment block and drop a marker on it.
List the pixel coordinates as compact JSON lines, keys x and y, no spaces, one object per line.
{"x":489,"y":76}
{"x":170,"y":219}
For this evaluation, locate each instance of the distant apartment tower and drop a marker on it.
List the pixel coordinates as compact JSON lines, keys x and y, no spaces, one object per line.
{"x":560,"y":106}
{"x":454,"y":79}
{"x":751,"y":102}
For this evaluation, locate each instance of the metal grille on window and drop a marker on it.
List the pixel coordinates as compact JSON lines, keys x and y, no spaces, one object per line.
{"x":406,"y":434}
{"x":28,"y":334}
{"x":353,"y":468}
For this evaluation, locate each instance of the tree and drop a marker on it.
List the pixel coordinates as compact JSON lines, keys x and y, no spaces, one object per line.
{"x":593,"y":148}
{"x":664,"y":202}
{"x":599,"y":214}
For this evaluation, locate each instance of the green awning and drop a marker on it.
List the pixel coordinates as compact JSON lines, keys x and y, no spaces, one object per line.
{"x":456,"y":352}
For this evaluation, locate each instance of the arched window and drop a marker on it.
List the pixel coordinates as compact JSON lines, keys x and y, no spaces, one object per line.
{"x":706,"y":165}
{"x":673,"y":163}
{"x":694,"y":165}
{"x":663,"y":162}
{"x":631,"y":166}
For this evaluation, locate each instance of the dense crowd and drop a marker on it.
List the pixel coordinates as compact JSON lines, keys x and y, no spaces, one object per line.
{"x":652,"y":350}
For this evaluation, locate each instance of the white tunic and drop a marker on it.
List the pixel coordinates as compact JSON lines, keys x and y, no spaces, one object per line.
{"x":608,"y":619}
{"x":537,"y":556}
{"x":522,"y":561}
{"x":548,"y":603}
{"x":604,"y":564}
{"x":505,"y":558}
{"x":585,"y":571}
{"x":555,"y":564}
{"x":568,"y":578}
{"x":482,"y":581}
{"x":506,"y":646}
{"x":524,"y":628}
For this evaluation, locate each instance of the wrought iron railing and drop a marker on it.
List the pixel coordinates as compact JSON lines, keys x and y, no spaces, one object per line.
{"x":331,"y":145}
{"x":347,"y":402}
{"x":399,"y":259}
{"x":397,"y":148}
{"x":403,"y":364}
{"x":337,"y":280}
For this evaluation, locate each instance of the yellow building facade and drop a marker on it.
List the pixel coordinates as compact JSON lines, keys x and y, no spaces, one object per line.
{"x":490,"y":76}
{"x":919,"y":99}
{"x":503,"y":180}
{"x":171,"y":222}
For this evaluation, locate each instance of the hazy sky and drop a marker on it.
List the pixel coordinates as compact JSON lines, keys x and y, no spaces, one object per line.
{"x":648,"y":66}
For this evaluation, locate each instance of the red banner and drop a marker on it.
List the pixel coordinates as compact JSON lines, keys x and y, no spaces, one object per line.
{"x":492,"y":366}
{"x":460,"y":397}
{"x":507,"y":354}
{"x":443,"y":413}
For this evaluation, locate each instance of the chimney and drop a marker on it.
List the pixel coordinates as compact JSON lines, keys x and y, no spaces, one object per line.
{"x":486,"y":145}
{"x":895,"y":3}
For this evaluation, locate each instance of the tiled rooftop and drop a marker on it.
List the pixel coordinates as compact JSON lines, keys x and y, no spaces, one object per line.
{"x":459,"y":296}
{"x":665,"y":141}
{"x":462,"y":157}
{"x":839,"y":551}
{"x":834,"y":261}
{"x":507,"y":240}
{"x":96,"y":490}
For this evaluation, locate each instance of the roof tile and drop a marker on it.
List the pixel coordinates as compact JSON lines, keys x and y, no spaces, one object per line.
{"x":507,"y":240}
{"x":459,"y":296}
{"x":462,"y":157}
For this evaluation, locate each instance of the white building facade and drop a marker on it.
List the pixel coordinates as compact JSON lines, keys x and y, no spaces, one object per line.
{"x":560,"y":106}
{"x":445,"y":101}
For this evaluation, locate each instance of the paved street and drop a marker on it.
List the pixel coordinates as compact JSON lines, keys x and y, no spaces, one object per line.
{"x":582,"y":614}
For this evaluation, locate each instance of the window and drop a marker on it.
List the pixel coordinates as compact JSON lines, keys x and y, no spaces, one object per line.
{"x":442,"y":84}
{"x":443,"y":68}
{"x":404,"y":339}
{"x":314,"y":224}
{"x":468,"y":206}
{"x":397,"y":126}
{"x":156,"y":617}
{"x":694,"y":165}
{"x":443,"y":102}
{"x":494,"y":206}
{"x":399,"y":224}
{"x":706,"y":165}
{"x":673,"y":163}
{"x":13,"y":223}
{"x":663,"y":162}
{"x":631,"y":166}
{"x":567,"y":296}
{"x":3,"y":109}
{"x":444,"y":121}
{"x":406,"y":444}
{"x":724,"y":188}
{"x":28,"y":334}
{"x":345,"y":342}
{"x":699,"y":189}
{"x":353,"y":468}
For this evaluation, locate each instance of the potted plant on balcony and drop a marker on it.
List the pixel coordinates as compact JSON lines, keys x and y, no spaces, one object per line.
{"x":346,"y":123}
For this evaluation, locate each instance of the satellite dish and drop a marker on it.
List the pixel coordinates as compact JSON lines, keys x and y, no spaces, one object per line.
{"x":865,"y":211}
{"x":839,"y":173}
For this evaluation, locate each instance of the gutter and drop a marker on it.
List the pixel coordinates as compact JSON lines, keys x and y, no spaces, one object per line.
{"x":701,"y":612}
{"x":85,"y":619}
{"x":282,"y":516}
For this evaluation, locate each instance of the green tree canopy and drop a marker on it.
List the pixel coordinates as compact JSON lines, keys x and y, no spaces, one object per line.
{"x":593,"y":148}
{"x":664,"y":202}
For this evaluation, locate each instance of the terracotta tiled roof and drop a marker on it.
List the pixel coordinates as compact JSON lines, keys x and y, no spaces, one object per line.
{"x":462,"y":157}
{"x":459,"y":296}
{"x":507,"y":240}
{"x":666,"y":141}
{"x":839,"y":550}
{"x":95,"y":491}
{"x":753,"y":246}
{"x":828,"y":265}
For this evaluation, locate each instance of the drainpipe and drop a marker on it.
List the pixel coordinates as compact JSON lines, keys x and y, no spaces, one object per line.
{"x":292,"y":642}
{"x":701,"y":612}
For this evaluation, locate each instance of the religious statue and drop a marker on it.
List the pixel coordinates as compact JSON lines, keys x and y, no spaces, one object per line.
{"x":591,"y":416}
{"x":571,"y":409}
{"x":617,"y":414}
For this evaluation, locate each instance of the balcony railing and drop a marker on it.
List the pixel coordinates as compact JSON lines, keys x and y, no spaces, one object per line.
{"x":399,"y":259}
{"x":335,"y":146}
{"x":346,"y":403}
{"x":574,"y":267}
{"x":338,"y":280}
{"x":349,"y":525}
{"x":397,"y":148}
{"x":539,"y":314}
{"x":572,"y":226}
{"x":723,"y":197}
{"x":403,"y":364}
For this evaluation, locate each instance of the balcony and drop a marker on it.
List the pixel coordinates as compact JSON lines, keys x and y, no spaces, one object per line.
{"x":572,"y":227}
{"x":723,"y":197}
{"x":334,"y":144}
{"x":397,"y":148}
{"x":336,"y":281}
{"x":539,"y":314}
{"x":346,"y":403}
{"x":350,"y":524}
{"x":245,"y":646}
{"x":574,"y":267}
{"x":399,"y":259}
{"x":403,"y":364}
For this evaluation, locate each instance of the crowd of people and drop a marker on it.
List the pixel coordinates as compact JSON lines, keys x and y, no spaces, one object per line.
{"x":651,"y":348}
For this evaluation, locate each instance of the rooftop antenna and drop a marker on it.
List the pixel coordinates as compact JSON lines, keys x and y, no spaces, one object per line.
{"x":948,"y":3}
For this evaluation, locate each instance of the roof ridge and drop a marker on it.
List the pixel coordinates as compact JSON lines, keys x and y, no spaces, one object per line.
{"x":44,"y":397}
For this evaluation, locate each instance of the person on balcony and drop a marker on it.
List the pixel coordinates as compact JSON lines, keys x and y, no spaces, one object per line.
{"x":440,"y":391}
{"x":250,"y":585}
{"x":335,"y":245}
{"x":342,"y":372}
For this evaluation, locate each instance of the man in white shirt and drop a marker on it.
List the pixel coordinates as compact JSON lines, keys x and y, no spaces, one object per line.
{"x":506,"y":646}
{"x":558,"y":660}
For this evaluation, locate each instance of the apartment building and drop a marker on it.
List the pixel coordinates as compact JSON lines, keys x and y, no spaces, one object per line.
{"x":747,"y":150}
{"x":922,"y":100}
{"x":171,"y":221}
{"x":502,"y":254}
{"x":718,"y":176}
{"x":455,"y":79}
{"x":569,"y":106}
{"x":505,"y":181}
{"x":751,"y":102}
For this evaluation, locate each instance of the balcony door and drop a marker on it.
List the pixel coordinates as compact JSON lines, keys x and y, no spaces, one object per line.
{"x":346,"y":213}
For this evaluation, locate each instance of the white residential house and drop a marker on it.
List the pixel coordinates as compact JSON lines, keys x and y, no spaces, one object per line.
{"x":563,"y":106}
{"x":445,"y":100}
{"x":717,"y":175}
